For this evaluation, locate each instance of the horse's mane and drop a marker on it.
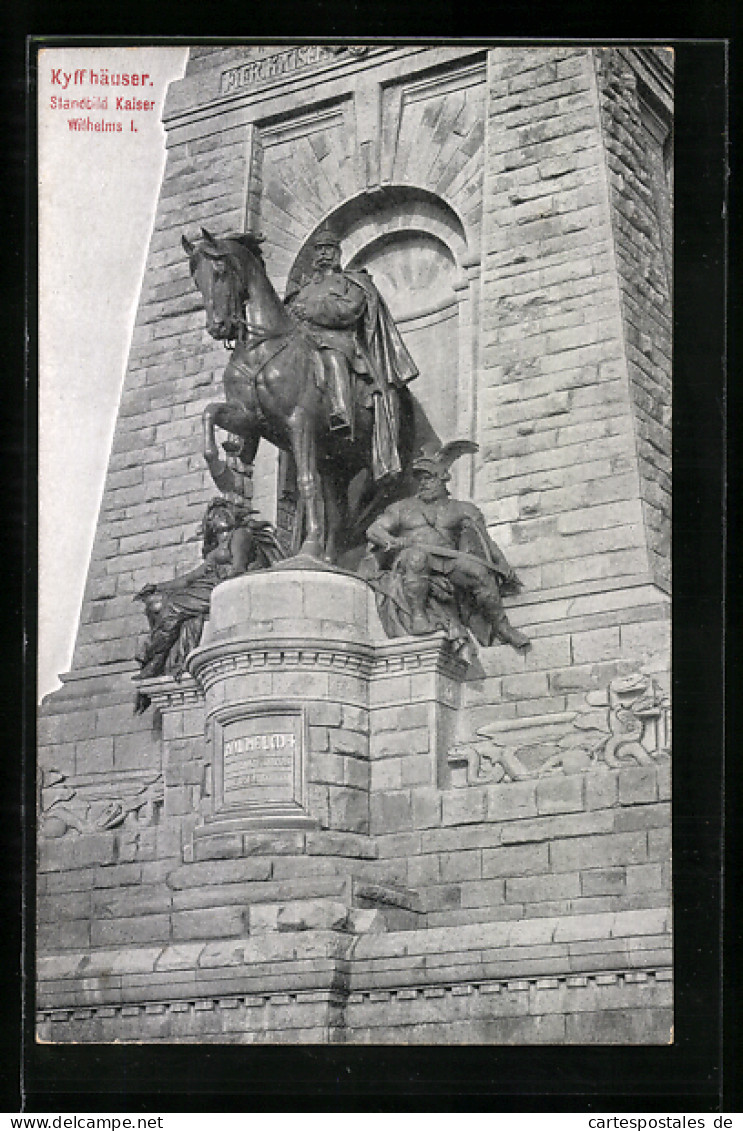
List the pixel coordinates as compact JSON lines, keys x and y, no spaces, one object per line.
{"x":249,"y":240}
{"x":218,"y":246}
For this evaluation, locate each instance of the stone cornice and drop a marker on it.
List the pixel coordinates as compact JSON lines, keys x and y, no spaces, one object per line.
{"x":403,"y":992}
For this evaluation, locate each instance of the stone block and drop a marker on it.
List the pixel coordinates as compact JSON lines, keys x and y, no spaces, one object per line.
{"x":355,"y":718}
{"x":211,"y":923}
{"x":218,"y":847}
{"x":424,"y":870}
{"x":556,"y":827}
{"x":537,"y":889}
{"x":356,"y":772}
{"x":427,"y":808}
{"x":620,"y":1027}
{"x":319,"y":742}
{"x":117,"y":875}
{"x":218,"y":872}
{"x":63,"y":728}
{"x":548,"y":652}
{"x":305,"y":866}
{"x":417,"y":770}
{"x":527,"y":685}
{"x":599,"y":644}
{"x":483,"y":893}
{"x":387,"y":774}
{"x":604,"y":881}
{"x":601,"y":789}
{"x":638,"y":785}
{"x":466,"y":806}
{"x":515,"y":860}
{"x":318,"y":803}
{"x":75,"y":905}
{"x":643,"y":817}
{"x":324,"y":766}
{"x":126,"y":932}
{"x":341,"y":844}
{"x":441,"y":897}
{"x":391,"y":744}
{"x":130,"y":903}
{"x":325,"y":714}
{"x":644,"y":878}
{"x":598,"y":851}
{"x":560,"y":794}
{"x":391,"y":812}
{"x":659,"y":844}
{"x":456,"y":837}
{"x":664,"y":781}
{"x":94,"y":755}
{"x":55,"y":854}
{"x":548,"y":1029}
{"x":645,"y":639}
{"x":463,"y":865}
{"x":511,"y":800}
{"x":349,"y":809}
{"x":63,"y":934}
{"x":388,"y":692}
{"x":273,"y":843}
{"x":179,"y":801}
{"x":300,"y":685}
{"x":312,"y":915}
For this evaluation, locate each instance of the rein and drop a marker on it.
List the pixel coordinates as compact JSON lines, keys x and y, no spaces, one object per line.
{"x":253,"y":373}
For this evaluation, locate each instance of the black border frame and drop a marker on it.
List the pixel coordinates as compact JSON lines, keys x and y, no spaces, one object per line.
{"x":685,"y":1077}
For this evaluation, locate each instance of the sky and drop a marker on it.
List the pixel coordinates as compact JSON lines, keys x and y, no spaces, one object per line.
{"x":97,"y":198}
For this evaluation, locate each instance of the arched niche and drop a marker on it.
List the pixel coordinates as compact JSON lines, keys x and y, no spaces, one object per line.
{"x":415,"y":247}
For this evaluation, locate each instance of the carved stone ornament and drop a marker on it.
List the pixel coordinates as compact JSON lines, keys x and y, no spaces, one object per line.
{"x":629,"y":723}
{"x":95,"y":809}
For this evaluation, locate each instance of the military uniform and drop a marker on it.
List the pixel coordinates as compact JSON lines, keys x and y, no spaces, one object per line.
{"x":365,"y":360}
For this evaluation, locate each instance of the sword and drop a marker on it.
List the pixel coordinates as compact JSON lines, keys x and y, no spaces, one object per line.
{"x":445,"y":552}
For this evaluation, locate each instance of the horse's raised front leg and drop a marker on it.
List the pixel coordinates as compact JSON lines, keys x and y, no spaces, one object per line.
{"x":231,"y":416}
{"x":302,"y":430}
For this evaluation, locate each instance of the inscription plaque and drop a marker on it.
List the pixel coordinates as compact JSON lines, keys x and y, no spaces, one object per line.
{"x":259,"y":762}
{"x":275,"y":66}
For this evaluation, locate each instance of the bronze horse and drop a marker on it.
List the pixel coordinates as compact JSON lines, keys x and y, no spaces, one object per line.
{"x":274,"y":390}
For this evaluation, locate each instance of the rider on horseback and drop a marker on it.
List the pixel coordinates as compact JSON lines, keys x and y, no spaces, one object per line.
{"x":364,"y":357}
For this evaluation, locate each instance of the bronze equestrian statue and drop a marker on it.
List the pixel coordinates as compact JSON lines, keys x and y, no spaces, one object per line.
{"x":279,"y":387}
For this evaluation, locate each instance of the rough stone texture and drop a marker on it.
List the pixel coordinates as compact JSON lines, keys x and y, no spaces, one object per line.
{"x":516,"y":217}
{"x":499,"y":983}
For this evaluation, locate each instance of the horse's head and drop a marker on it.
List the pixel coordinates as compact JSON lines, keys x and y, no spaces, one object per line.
{"x":221,"y":270}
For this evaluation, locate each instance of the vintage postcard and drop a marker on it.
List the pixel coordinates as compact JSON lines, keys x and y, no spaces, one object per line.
{"x":356,"y":716}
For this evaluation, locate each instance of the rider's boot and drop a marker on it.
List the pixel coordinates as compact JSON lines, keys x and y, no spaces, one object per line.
{"x":339,"y":387}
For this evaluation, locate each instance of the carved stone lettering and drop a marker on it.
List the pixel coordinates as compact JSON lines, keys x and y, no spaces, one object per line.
{"x":261,"y":761}
{"x":273,"y":67}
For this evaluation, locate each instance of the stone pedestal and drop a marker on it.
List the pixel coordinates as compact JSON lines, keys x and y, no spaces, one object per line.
{"x":305,"y":708}
{"x":284,"y":670}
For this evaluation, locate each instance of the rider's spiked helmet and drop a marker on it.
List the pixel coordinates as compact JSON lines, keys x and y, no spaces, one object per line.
{"x":325,"y":236}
